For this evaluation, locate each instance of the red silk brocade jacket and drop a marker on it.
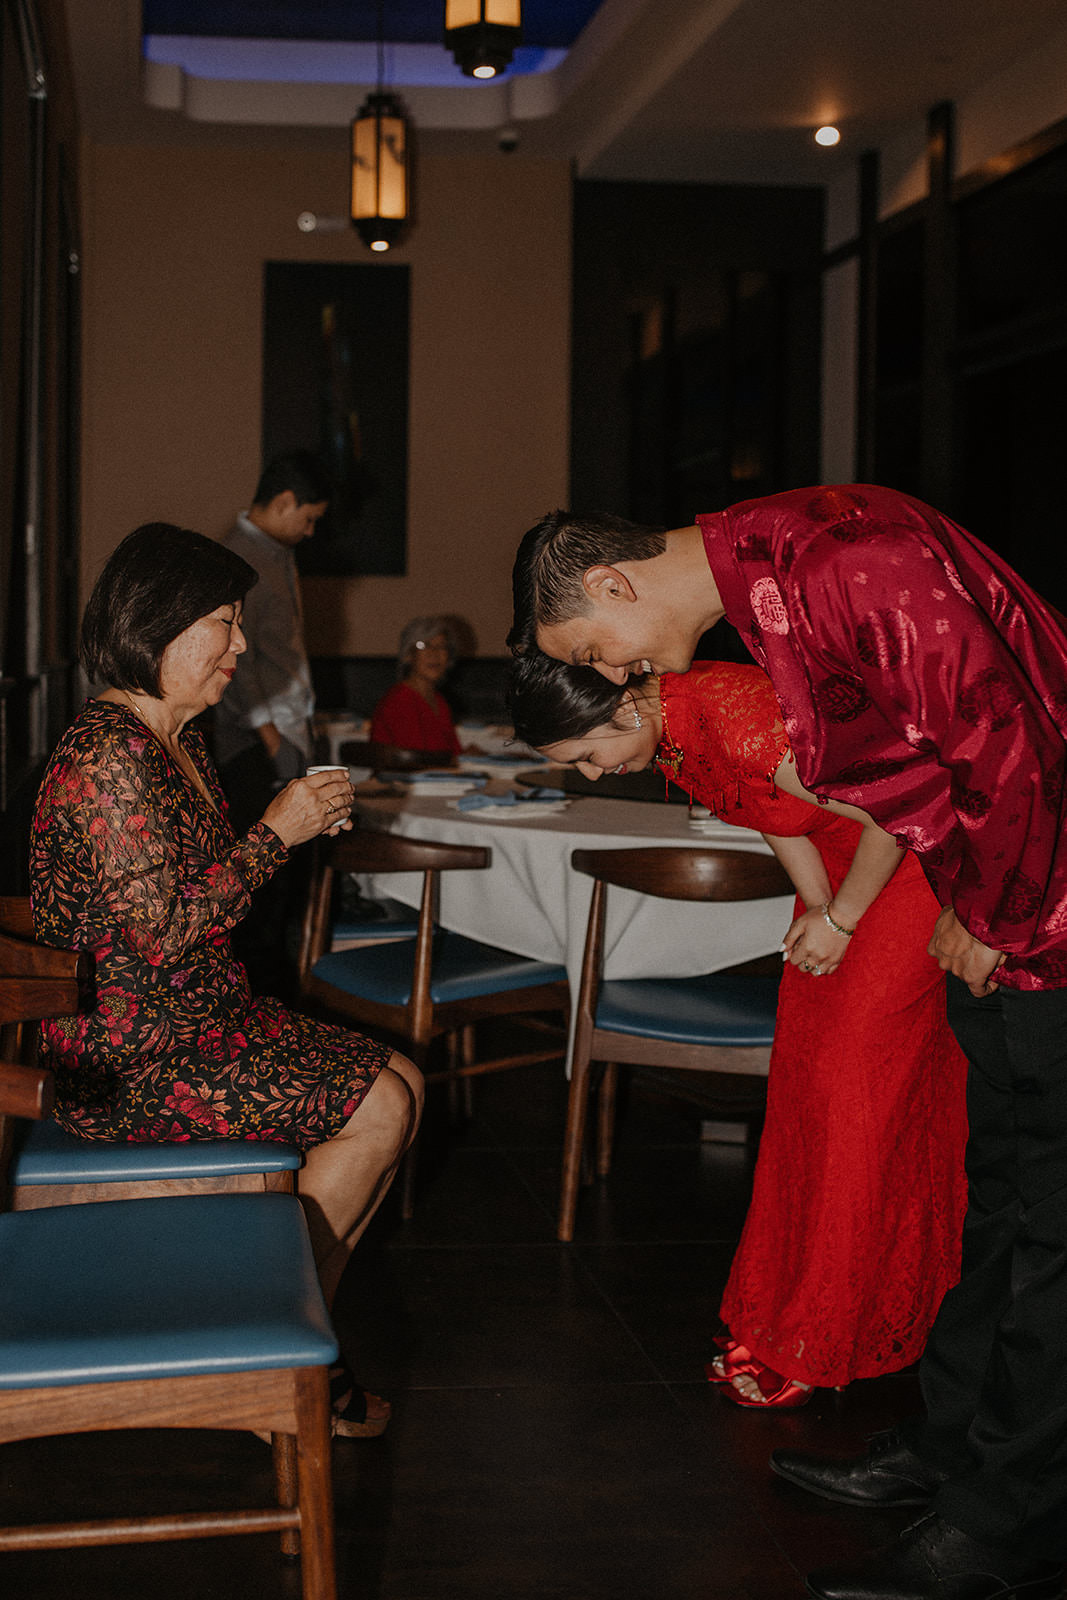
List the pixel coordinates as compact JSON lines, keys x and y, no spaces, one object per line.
{"x":921,"y":679}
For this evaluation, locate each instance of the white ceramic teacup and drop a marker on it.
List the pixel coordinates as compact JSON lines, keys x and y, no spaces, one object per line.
{"x":354,"y":775}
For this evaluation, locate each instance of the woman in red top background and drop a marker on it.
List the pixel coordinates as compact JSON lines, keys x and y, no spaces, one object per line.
{"x":413,"y":714}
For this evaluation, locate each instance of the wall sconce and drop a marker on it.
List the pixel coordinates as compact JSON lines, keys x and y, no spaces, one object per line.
{"x":483,"y":34}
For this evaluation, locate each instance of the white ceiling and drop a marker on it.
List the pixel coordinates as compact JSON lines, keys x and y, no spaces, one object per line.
{"x":683,"y":90}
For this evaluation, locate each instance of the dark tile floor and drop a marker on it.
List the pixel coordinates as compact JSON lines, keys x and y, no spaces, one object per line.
{"x":553,"y":1435}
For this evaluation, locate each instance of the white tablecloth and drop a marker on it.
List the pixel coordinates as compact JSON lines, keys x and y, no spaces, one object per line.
{"x":530,"y":899}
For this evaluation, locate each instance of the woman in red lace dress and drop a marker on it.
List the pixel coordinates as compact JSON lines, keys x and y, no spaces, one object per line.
{"x":133,"y":860}
{"x":853,"y":1232}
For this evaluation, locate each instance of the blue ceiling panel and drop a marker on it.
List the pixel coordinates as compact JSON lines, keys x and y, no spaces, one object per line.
{"x":546,"y":23}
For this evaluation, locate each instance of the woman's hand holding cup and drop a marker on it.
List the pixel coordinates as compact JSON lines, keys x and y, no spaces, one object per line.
{"x":318,"y":803}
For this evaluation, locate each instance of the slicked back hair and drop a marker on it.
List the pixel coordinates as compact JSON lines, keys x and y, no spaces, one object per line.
{"x":550,"y":701}
{"x":159,"y":581}
{"x":555,"y":555}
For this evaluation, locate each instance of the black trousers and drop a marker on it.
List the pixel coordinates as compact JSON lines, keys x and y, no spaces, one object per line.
{"x":994,"y":1375}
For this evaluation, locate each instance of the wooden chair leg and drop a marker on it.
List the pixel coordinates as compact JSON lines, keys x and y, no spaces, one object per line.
{"x":315,"y":1485}
{"x":285,"y":1486}
{"x":467,"y":1040}
{"x":605,"y":1120}
{"x":573,"y":1146}
{"x":452,"y":1044}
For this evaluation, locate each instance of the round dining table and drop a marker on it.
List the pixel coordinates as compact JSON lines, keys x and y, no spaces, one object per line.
{"x":531,"y":901}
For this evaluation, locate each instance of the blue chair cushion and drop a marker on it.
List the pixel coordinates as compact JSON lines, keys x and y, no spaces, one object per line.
{"x":375,"y":919}
{"x":715,"y":1010}
{"x":462,"y":969}
{"x":44,"y":1153}
{"x":158,"y":1289}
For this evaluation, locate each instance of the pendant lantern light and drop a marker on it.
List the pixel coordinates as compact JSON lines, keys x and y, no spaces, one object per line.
{"x":483,"y":34}
{"x":381,"y":163}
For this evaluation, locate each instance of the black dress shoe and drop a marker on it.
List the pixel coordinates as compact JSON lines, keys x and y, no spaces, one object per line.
{"x":887,"y":1474}
{"x":934,"y":1561}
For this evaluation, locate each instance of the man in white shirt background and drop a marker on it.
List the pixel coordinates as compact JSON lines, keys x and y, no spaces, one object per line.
{"x":263,"y":723}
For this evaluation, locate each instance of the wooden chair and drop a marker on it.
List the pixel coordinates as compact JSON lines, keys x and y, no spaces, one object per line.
{"x":438,"y":984}
{"x":359,"y":920}
{"x":723,"y":1023}
{"x":49,"y":1167}
{"x":375,"y":921}
{"x":202,"y":1311}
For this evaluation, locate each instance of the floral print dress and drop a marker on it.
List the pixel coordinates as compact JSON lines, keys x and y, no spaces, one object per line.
{"x":129,"y":862}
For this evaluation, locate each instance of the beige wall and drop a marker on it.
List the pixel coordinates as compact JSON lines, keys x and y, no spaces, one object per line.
{"x":175,"y":240}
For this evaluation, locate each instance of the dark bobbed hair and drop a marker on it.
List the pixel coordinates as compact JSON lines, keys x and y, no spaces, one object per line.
{"x":159,"y":581}
{"x":550,"y":701}
{"x":299,"y":471}
{"x":554,"y":556}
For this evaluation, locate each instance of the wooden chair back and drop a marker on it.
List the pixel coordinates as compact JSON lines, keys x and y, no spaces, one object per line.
{"x":366,"y":851}
{"x":38,"y":981}
{"x":668,"y":873}
{"x":710,"y":874}
{"x":683,"y":873}
{"x":16,"y":916}
{"x":415,"y":1025}
{"x":35,"y":982}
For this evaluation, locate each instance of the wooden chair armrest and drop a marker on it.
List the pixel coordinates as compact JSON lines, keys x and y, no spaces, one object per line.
{"x":16,"y":918}
{"x":26,"y":958}
{"x":25,"y":1091}
{"x":37,"y":981}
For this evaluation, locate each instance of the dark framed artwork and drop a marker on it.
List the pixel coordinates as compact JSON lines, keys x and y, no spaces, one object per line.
{"x":335,"y":381}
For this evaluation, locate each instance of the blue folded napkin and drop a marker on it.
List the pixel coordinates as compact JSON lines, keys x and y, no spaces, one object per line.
{"x":429,"y":779}
{"x":476,"y":802}
{"x":504,"y":759}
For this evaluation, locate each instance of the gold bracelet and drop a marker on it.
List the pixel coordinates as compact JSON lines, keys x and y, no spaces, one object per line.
{"x":846,"y":933}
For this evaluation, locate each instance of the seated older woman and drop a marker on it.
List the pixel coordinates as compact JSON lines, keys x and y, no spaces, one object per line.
{"x":133,"y":860}
{"x":413,"y":714}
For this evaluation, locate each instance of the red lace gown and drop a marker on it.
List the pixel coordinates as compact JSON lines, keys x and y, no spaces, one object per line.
{"x":853,"y":1233}
{"x":130,"y":862}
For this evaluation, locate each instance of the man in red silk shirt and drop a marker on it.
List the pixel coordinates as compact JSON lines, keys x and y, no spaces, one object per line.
{"x":921,"y":680}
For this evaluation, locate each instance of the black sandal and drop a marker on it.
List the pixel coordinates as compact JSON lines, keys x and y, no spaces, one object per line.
{"x":348,"y":1403}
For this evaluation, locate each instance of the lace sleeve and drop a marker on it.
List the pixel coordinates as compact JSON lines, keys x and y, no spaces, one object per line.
{"x":110,"y":860}
{"x":725,"y":726}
